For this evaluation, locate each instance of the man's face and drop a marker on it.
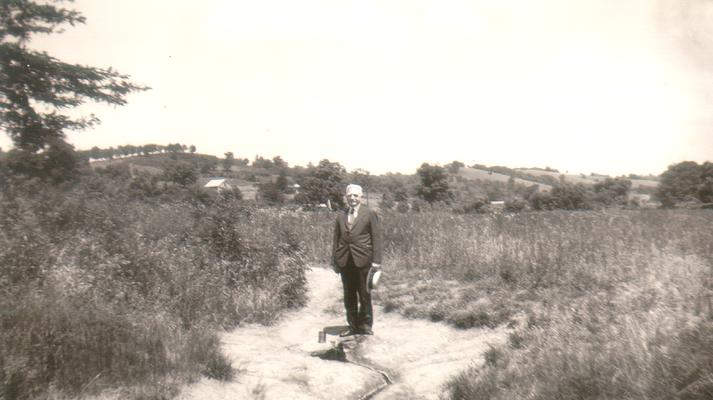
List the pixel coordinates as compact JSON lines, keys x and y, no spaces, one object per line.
{"x":353,"y":198}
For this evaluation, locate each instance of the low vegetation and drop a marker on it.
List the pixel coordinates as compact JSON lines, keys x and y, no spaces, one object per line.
{"x":602,"y":304}
{"x":611,"y":304}
{"x":106,"y":285}
{"x":119,"y":277}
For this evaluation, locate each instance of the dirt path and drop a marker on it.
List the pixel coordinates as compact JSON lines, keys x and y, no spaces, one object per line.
{"x":278,"y":362}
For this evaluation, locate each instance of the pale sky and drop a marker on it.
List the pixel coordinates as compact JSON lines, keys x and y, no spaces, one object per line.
{"x":608,"y":86}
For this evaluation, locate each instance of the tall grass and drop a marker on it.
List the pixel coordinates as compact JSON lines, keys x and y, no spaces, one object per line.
{"x":607,"y":304}
{"x":478,"y":270}
{"x":651,"y":338}
{"x":610,"y":304}
{"x":603,"y":304}
{"x":101,"y":290}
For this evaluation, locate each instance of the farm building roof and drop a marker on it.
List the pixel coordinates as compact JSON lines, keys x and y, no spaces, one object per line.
{"x":215,"y":183}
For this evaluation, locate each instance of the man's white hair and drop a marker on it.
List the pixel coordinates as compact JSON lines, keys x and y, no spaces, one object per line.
{"x":354,"y":188}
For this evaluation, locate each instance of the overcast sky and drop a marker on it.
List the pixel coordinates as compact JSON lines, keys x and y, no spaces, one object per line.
{"x":608,"y":86}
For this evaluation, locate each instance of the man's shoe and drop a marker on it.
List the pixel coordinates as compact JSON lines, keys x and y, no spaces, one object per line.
{"x":348,"y":332}
{"x":366,"y":331}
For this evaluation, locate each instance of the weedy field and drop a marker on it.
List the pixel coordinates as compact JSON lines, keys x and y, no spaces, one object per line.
{"x":607,"y":304}
{"x":110,"y":286}
{"x":103,"y":288}
{"x":613,"y":304}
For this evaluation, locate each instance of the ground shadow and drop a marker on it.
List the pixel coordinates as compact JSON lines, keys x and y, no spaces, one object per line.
{"x":335,"y":353}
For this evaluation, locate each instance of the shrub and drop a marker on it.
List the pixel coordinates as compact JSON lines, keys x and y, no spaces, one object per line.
{"x":515,"y":205}
{"x":402,"y":207}
{"x":477,"y":205}
{"x":570,"y":197}
{"x":434,"y":183}
{"x":542,"y":201}
{"x":144,"y":185}
{"x":685,"y":180}
{"x":612,"y":191}
{"x":271,"y":193}
{"x":180,"y":173}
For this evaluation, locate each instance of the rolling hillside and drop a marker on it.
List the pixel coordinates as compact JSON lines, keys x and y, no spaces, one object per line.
{"x":589,"y":179}
{"x":487,"y":175}
{"x":479,"y":174}
{"x":247,"y":178}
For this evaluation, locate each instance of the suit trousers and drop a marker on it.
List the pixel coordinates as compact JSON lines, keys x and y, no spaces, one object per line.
{"x":357,"y":301}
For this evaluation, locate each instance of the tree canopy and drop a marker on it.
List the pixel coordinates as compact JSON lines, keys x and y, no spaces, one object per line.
{"x":434,"y":183}
{"x":686,"y":181}
{"x":35,"y":87}
{"x":228,"y":161}
{"x":323,"y":183}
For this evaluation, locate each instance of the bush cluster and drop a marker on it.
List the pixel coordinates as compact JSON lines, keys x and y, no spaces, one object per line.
{"x":101,"y":286}
{"x":686,"y":182}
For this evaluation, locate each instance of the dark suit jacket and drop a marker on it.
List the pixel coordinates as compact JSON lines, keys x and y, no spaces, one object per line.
{"x":362,"y":241}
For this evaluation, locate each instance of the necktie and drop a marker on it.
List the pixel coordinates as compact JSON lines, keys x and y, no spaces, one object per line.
{"x":350,"y":218}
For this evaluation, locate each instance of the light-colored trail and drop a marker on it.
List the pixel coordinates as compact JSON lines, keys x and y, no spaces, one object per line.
{"x":276,"y":362}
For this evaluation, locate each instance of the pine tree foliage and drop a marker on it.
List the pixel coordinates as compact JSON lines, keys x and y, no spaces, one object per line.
{"x":35,"y":88}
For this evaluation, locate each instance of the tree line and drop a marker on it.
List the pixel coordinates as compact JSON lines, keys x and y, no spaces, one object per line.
{"x":37,"y":88}
{"x":96,"y":153}
{"x":442,"y":186}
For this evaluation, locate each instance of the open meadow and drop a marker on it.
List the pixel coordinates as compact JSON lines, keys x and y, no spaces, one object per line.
{"x":110,"y":283}
{"x":153,"y":260}
{"x":606,"y":304}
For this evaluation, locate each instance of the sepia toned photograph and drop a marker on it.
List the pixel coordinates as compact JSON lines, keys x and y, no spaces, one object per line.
{"x":363,"y":200}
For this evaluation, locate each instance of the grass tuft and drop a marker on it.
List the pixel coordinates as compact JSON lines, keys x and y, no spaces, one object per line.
{"x":219,"y":367}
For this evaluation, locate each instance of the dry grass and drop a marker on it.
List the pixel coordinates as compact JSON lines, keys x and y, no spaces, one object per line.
{"x":102,"y":292}
{"x":648,"y":339}
{"x":613,"y":305}
{"x":603,"y":305}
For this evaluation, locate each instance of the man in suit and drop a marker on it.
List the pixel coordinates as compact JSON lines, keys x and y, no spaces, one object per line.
{"x":357,"y":247}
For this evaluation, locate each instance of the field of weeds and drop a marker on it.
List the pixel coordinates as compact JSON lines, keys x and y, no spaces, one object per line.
{"x":101,"y":290}
{"x":611,"y":304}
{"x":603,"y":305}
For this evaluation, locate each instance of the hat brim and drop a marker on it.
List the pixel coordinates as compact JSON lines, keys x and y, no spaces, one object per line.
{"x":373,"y":280}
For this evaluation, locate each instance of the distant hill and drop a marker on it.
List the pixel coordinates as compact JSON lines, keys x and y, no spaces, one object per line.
{"x":485,"y":175}
{"x":590,"y":179}
{"x":247,"y":178}
{"x":571,"y":178}
{"x":545,"y":179}
{"x":155,"y":163}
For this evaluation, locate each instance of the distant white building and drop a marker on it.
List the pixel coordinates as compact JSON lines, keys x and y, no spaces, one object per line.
{"x":218,"y":184}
